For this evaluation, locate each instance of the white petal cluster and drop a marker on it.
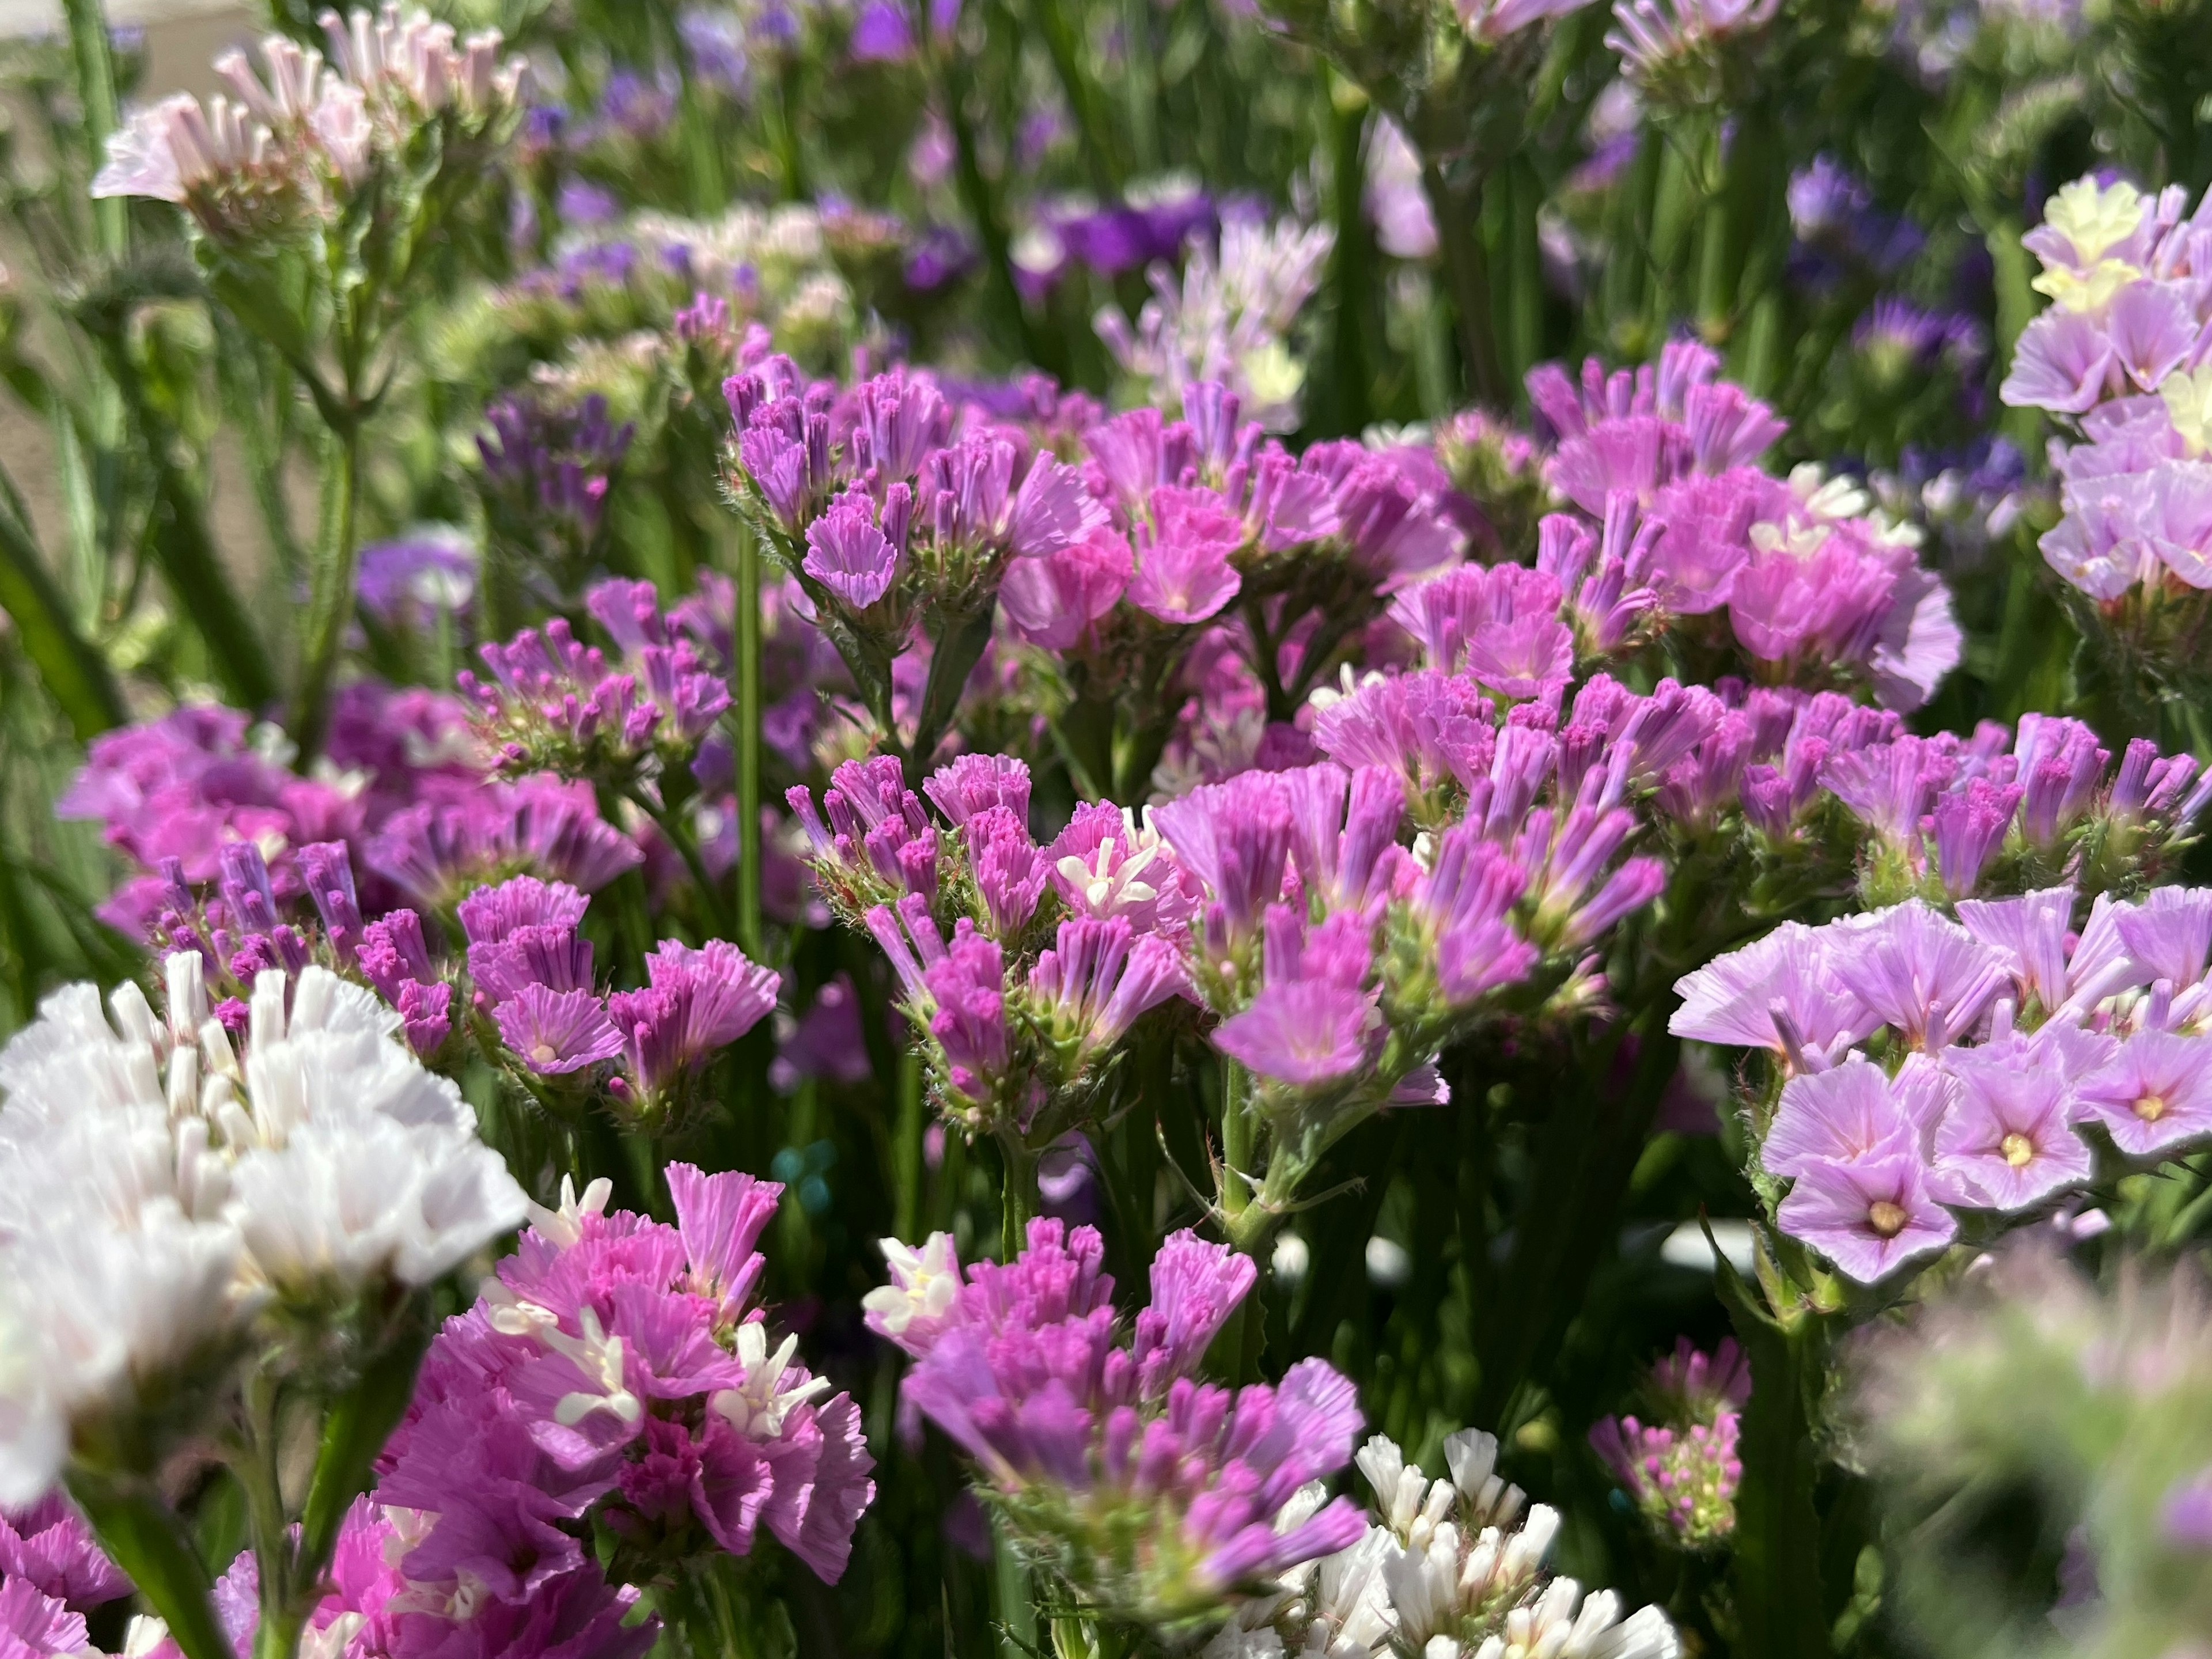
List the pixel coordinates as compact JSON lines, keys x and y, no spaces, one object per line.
{"x":1451,"y":1570}
{"x":157,"y":1187}
{"x":303,"y":127}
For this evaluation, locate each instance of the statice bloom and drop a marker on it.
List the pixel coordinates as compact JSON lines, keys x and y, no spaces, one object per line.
{"x":1468,"y":1576}
{"x":202,"y":778}
{"x":1803,"y":576}
{"x":1666,"y":45}
{"x":547,"y":469}
{"x":167,"y":1183}
{"x":615,"y":1376}
{"x":1682,"y":1471}
{"x":410,"y":582}
{"x":1078,"y":1434}
{"x":2119,"y":351}
{"x":437,"y":852}
{"x":1981,"y":1113}
{"x":1228,"y":319}
{"x":48,"y":1546}
{"x":554,"y":703}
{"x":295,"y":142}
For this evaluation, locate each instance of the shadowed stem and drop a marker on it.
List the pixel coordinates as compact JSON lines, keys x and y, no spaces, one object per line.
{"x":330,"y":601}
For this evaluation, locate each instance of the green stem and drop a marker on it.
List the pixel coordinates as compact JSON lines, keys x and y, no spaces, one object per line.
{"x":1236,"y":1142}
{"x":983,"y":204}
{"x":1061,"y":43}
{"x":906,"y":1147}
{"x":749,"y":746}
{"x":330,"y":601}
{"x":1017,"y":1194}
{"x":1456,"y":204}
{"x":95,"y":89}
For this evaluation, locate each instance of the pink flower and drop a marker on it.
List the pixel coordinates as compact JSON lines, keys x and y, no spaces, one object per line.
{"x":1869,"y":1217}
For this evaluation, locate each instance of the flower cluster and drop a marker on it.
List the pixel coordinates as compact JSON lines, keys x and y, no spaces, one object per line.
{"x":618,"y":1368}
{"x":300,"y":139}
{"x":1228,"y":320}
{"x":533,"y":977}
{"x":554,"y":703}
{"x":201,"y":778}
{"x":1682,"y":532}
{"x":1451,"y":1569}
{"x":547,"y":467}
{"x":1155,"y":1496}
{"x":2119,"y":351}
{"x":1993,"y":1046}
{"x":1682,"y":1470}
{"x":169,"y":1185}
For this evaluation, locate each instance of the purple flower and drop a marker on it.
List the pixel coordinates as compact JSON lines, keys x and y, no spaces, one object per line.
{"x":1843,"y":1114}
{"x":1968,"y":827}
{"x":38,"y":1625}
{"x":2061,"y":363}
{"x":1235,"y":837}
{"x":880,"y":34}
{"x":1009,"y":870}
{"x":1053,"y":601}
{"x":968,"y":784}
{"x":1428,"y":728}
{"x":2031,"y":931}
{"x":2168,"y":935}
{"x":1869,"y":1217}
{"x":2185,"y":1517}
{"x":49,"y":1547}
{"x":1916,"y":970}
{"x":2007,"y":1139}
{"x":1307,"y":1034}
{"x":850,"y":556}
{"x":1100,"y":975}
{"x":1196,"y":1287}
{"x":1781,"y":993}
{"x":2155,"y":1093}
{"x":555,"y":1032}
{"x":968,"y":985}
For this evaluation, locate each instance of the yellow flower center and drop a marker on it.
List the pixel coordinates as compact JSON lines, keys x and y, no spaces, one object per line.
{"x":2017,"y":1149}
{"x":1886,"y":1219}
{"x":545,"y":1054}
{"x":2151,"y":1108}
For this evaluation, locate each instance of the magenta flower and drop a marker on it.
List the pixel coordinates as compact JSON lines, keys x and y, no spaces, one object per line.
{"x":38,"y":1625}
{"x":555,"y":1032}
{"x":1022,"y":1370}
{"x":967,"y":785}
{"x":1869,"y":1217}
{"x":1053,"y":601}
{"x":2031,"y":931}
{"x":2007,"y":1140}
{"x":1235,"y":837}
{"x":49,"y":1547}
{"x":1307,"y":1034}
{"x":2155,"y":1093}
{"x":1429,"y":728}
{"x":849,"y":555}
{"x":1100,"y":975}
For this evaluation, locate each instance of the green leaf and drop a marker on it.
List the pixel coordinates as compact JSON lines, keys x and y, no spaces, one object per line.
{"x":354,"y":1432}
{"x":146,"y":1539}
{"x":73,"y":672}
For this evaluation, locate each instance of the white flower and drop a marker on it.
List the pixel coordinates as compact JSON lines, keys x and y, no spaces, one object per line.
{"x":757,"y":1408}
{"x":154,"y":1186}
{"x":1486,"y":1500}
{"x":1410,"y":1504}
{"x":925,"y":1283}
{"x":88,"y":1312}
